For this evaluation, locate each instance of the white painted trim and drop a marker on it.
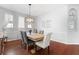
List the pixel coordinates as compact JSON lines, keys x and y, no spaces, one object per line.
{"x":59,"y":41}
{"x":53,"y":40}
{"x":12,"y":39}
{"x":66,"y":42}
{"x":73,"y":43}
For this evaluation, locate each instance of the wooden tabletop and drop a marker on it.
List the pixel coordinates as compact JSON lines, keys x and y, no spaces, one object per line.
{"x":36,"y":37}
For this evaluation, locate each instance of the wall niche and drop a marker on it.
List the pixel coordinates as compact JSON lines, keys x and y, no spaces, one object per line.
{"x":72,"y":19}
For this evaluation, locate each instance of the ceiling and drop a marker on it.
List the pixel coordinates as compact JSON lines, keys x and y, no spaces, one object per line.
{"x":36,"y":9}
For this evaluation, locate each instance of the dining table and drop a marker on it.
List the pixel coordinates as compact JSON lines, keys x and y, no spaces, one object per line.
{"x":36,"y":37}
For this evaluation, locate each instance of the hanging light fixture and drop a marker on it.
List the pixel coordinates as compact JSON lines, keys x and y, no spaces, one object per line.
{"x":29,"y":17}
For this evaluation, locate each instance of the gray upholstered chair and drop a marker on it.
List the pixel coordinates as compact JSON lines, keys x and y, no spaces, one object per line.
{"x":26,"y":41}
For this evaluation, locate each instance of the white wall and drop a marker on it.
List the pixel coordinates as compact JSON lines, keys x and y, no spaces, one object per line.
{"x":55,"y":21}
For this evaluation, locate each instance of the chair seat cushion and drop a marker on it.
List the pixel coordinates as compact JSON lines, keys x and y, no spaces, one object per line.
{"x":30,"y":41}
{"x":40,"y":44}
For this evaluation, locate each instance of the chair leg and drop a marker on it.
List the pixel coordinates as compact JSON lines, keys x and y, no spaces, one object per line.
{"x":27,"y":48}
{"x":24,"y":46}
{"x":43,"y":51}
{"x":48,"y":50}
{"x":35,"y":47}
{"x":21,"y":44}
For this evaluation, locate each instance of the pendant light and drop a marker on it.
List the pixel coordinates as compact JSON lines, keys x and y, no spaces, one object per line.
{"x":29,"y":17}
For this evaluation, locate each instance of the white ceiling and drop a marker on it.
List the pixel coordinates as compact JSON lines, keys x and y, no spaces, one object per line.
{"x":36,"y":9}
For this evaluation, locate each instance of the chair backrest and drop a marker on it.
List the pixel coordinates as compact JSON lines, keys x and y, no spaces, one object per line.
{"x":30,"y":31}
{"x":47,"y":38}
{"x":41,"y":32}
{"x":35,"y":31}
{"x":24,"y":36}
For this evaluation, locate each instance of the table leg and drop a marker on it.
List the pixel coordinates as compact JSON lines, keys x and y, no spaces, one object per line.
{"x":2,"y":45}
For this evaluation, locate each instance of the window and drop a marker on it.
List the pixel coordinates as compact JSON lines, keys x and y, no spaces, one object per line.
{"x":29,"y":26}
{"x":10,"y":25}
{"x":8,"y":21}
{"x":21,"y":22}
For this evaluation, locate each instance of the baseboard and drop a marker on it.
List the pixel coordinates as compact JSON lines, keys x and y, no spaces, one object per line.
{"x":12,"y":39}
{"x":73,"y":43}
{"x":59,"y":41}
{"x":67,"y":43}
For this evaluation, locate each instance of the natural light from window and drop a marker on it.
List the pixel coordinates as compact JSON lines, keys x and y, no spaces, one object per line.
{"x":21,"y":22}
{"x":8,"y":20}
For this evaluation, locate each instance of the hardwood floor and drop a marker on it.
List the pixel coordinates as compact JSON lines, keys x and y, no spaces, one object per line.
{"x":14,"y":48}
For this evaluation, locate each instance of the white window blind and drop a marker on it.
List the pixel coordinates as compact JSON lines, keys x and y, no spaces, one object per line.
{"x":21,"y":22}
{"x":8,"y":20}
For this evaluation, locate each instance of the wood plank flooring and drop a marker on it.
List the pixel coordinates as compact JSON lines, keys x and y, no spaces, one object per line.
{"x":56,"y":48}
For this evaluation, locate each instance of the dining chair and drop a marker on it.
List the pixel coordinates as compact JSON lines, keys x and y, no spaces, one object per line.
{"x":45,"y":43}
{"x":25,"y":40}
{"x":41,"y":32}
{"x":35,"y":30}
{"x":30,"y":31}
